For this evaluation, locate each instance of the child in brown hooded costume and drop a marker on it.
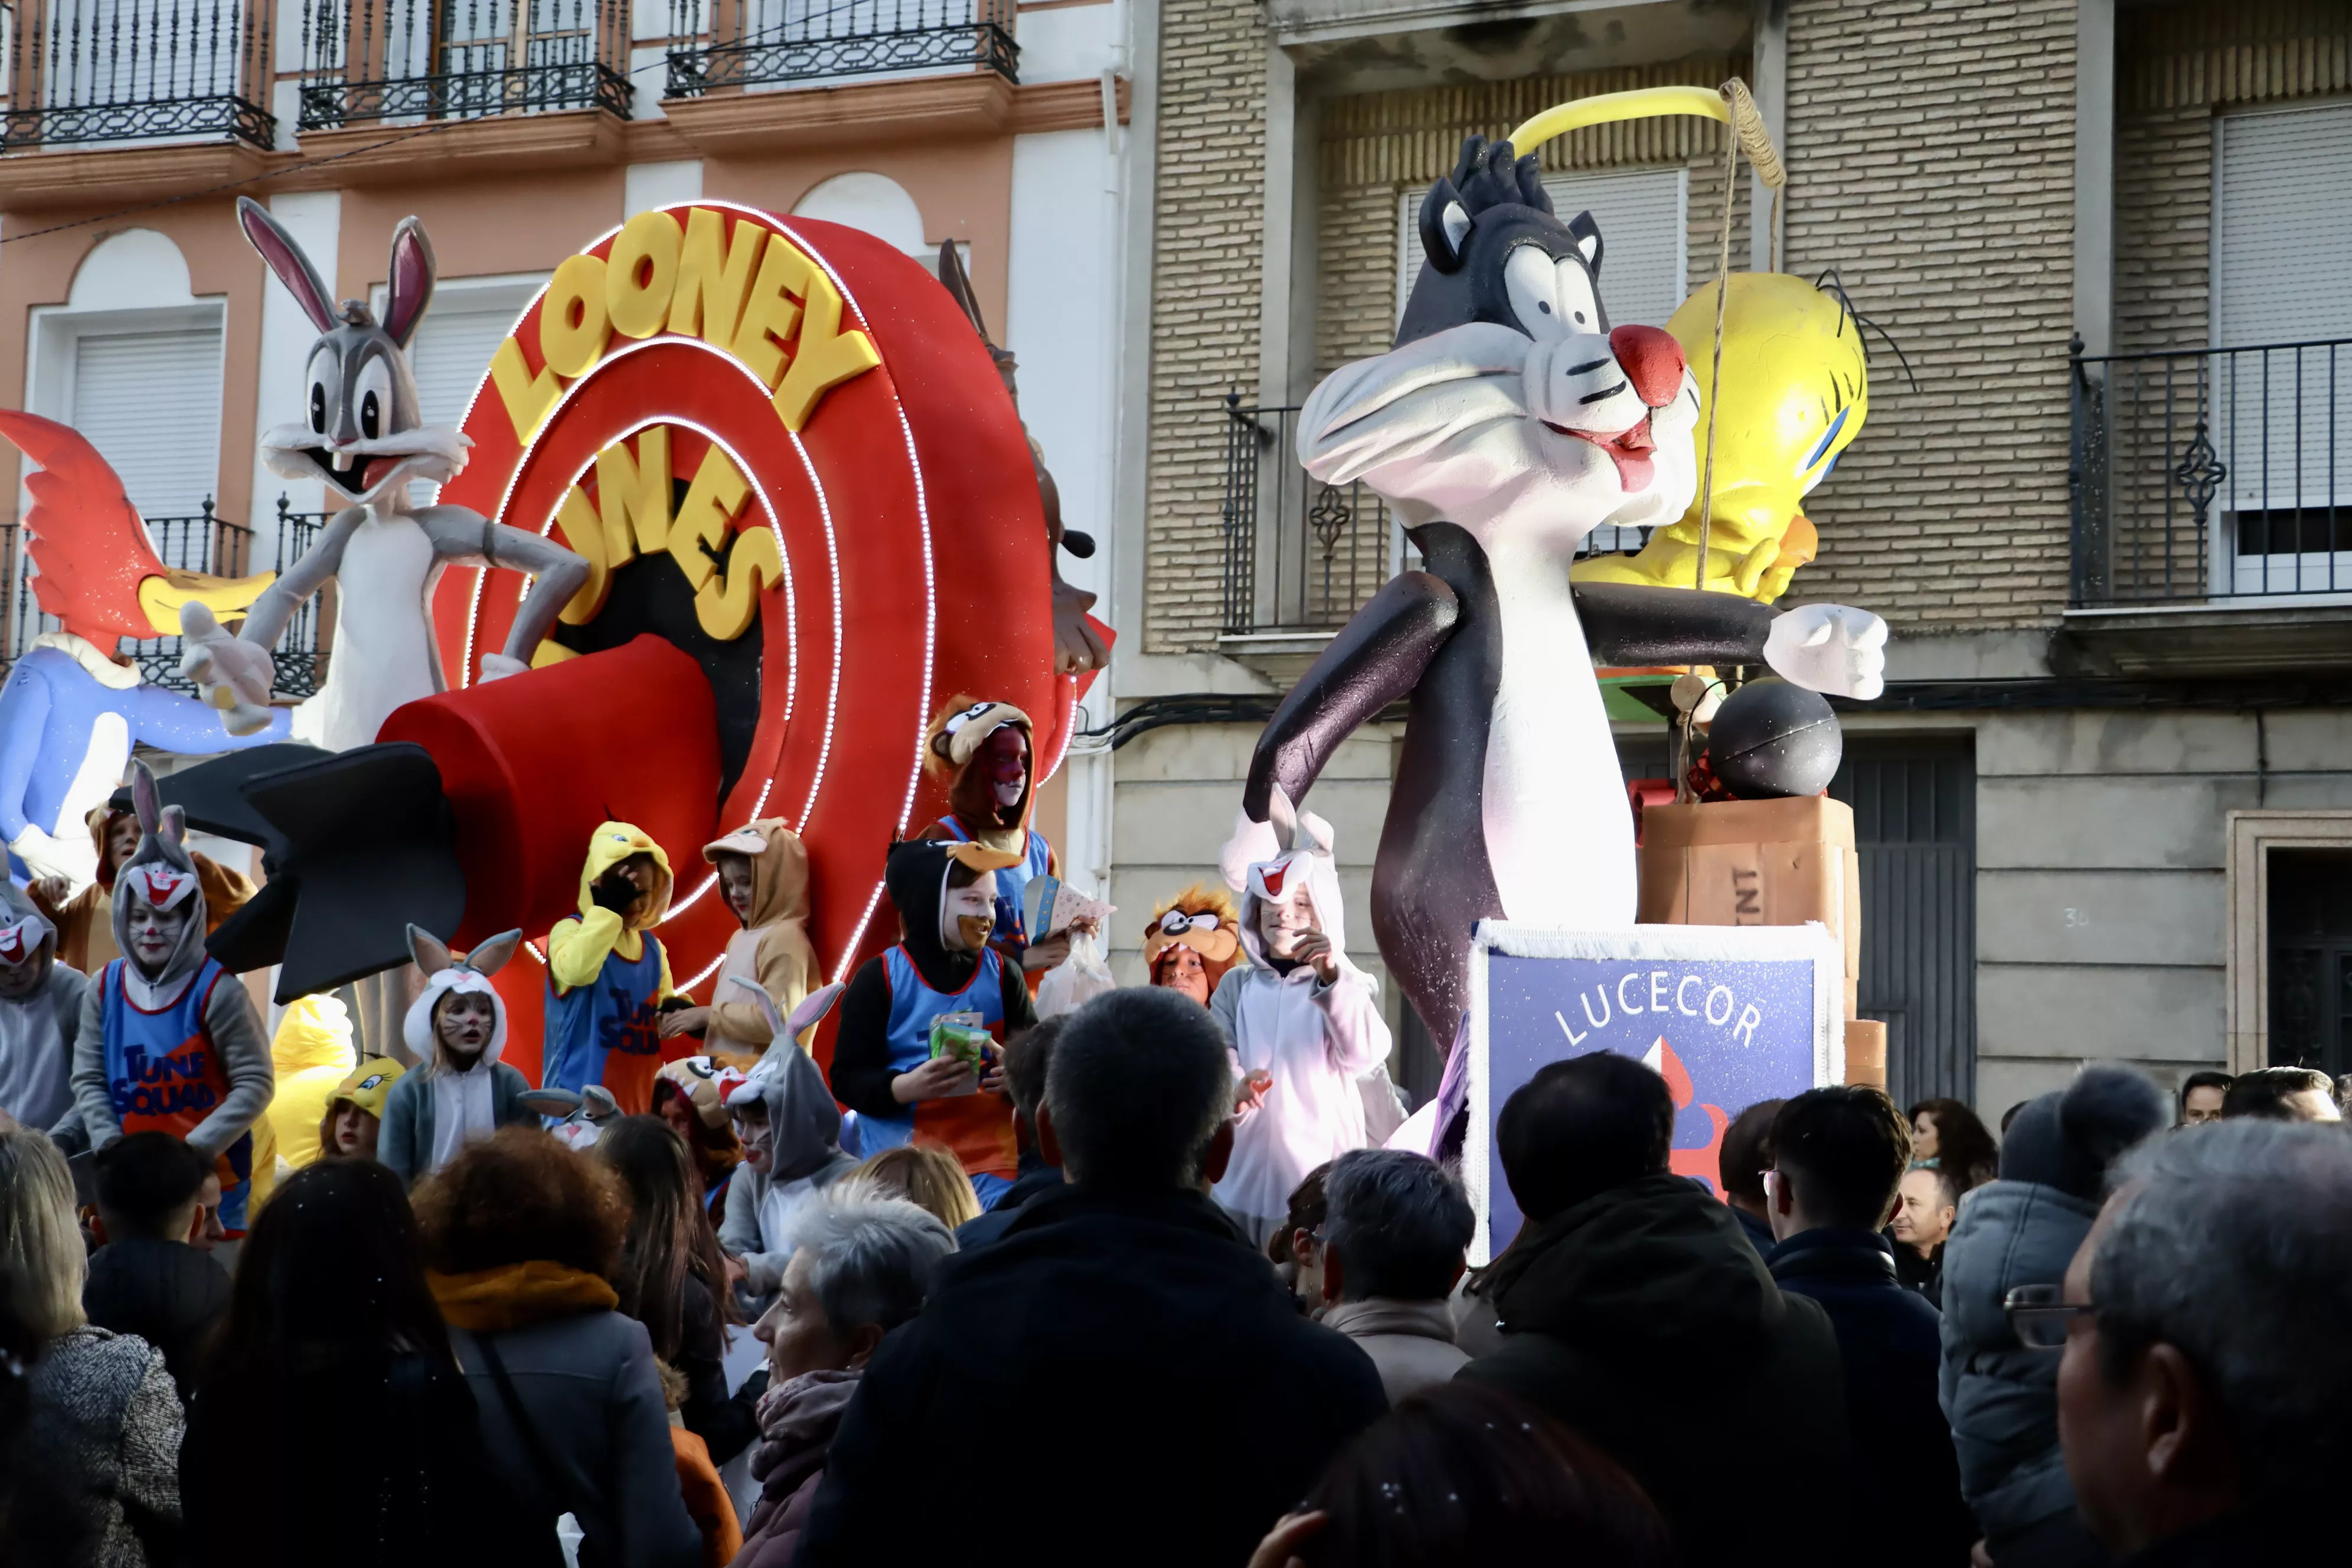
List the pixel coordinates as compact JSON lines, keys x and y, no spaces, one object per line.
{"x":989,"y":748}
{"x":763,"y":874}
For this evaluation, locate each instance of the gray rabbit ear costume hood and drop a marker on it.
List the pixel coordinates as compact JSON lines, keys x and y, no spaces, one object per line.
{"x":160,"y":872}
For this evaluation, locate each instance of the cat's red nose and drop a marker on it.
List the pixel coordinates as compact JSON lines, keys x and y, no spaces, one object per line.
{"x":1652,"y":361}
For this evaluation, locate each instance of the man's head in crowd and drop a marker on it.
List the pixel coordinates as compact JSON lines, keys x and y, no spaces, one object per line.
{"x":1926,"y":1200}
{"x":1026,"y":1057}
{"x":1741,"y":1163}
{"x":1137,"y":1093}
{"x":1581,"y":1127}
{"x":2282,"y":1094}
{"x":2208,"y":1373}
{"x":1395,"y":1227}
{"x":150,"y":1187}
{"x":2202,"y":1094}
{"x":1838,"y":1156}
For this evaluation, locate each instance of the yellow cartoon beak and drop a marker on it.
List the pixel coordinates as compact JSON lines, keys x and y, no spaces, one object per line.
{"x":161,"y":596}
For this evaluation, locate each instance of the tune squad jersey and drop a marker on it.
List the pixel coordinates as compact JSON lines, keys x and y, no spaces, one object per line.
{"x":977,"y":1128}
{"x":606,"y":1032}
{"x":163,"y":1074}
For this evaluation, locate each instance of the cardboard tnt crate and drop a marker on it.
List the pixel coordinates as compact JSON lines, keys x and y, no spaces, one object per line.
{"x":1758,"y":863}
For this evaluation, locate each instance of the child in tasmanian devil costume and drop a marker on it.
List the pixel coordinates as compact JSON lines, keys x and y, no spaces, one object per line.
{"x":1193,"y":940}
{"x":948,"y":900}
{"x":988,"y":747}
{"x":168,"y":1039}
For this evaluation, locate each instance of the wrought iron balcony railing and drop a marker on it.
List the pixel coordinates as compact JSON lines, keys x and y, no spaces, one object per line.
{"x":202,"y":542}
{"x":775,"y":43}
{"x":2211,"y":475}
{"x":88,"y":71}
{"x":406,"y":60}
{"x":1300,"y":555}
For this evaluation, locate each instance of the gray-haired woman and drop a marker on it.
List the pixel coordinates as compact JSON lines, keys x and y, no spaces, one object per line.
{"x":860,"y":1267}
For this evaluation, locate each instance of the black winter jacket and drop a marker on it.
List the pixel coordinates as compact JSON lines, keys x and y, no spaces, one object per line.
{"x":1644,"y":1319}
{"x":1137,"y":1338}
{"x":1905,"y":1498}
{"x":166,"y":1292}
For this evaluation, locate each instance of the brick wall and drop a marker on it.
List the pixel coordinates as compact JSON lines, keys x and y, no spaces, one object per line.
{"x":1930,"y":145}
{"x":1207,"y":234}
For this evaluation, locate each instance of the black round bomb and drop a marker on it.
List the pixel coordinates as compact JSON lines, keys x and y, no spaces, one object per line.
{"x":1771,"y":739}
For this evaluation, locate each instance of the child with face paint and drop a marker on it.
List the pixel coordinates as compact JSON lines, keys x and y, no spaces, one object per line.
{"x":1304,"y":1023}
{"x":948,"y":900}
{"x":85,"y":917}
{"x":763,"y":875}
{"x":608,"y":974}
{"x":987,"y":746}
{"x":168,"y":1039}
{"x":1193,"y":940}
{"x":41,"y":1015}
{"x":457,"y":1028}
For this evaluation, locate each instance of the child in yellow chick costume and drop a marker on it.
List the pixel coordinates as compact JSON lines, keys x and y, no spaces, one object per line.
{"x":1797,"y":392}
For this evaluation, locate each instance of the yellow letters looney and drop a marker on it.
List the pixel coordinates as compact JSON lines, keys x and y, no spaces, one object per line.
{"x":755,"y":295}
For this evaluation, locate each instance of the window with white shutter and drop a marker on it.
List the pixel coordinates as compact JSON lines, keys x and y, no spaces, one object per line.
{"x":150,"y":403}
{"x":2282,"y":276}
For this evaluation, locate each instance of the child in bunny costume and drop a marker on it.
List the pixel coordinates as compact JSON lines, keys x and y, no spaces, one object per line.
{"x":1304,"y":1024}
{"x":169,"y":1039}
{"x":457,"y":1028}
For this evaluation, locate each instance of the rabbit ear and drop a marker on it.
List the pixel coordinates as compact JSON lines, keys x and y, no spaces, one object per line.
{"x":286,"y":258}
{"x":1284,"y":820}
{"x":757,"y":996}
{"x":488,"y":958}
{"x":145,"y":803}
{"x":431,"y":953}
{"x":812,"y":1008}
{"x":173,"y":827}
{"x":411,"y":288}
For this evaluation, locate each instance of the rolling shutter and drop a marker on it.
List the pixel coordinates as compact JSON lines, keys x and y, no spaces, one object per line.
{"x":150,"y":403}
{"x":2283,"y":274}
{"x":2282,"y":271}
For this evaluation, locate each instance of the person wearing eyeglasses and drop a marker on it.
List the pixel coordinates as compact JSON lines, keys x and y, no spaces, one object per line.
{"x":2199,"y":1349}
{"x":1837,"y":1154}
{"x":2000,"y":1395}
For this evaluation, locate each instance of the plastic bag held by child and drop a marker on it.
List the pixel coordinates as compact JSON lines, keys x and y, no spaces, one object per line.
{"x":1076,"y":980}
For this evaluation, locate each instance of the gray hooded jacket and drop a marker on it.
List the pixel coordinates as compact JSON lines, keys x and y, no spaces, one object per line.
{"x":229,"y":1016}
{"x":2001,"y":1397}
{"x":37,"y":1031}
{"x":806,"y":1157}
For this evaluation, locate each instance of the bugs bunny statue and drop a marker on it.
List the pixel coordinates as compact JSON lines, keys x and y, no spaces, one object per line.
{"x":364,"y":438}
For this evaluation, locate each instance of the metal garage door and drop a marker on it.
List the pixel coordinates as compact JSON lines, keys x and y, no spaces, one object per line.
{"x":1915,"y":827}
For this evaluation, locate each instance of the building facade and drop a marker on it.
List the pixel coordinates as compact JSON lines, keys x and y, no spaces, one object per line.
{"x":518,"y":132}
{"x":2105,"y":806}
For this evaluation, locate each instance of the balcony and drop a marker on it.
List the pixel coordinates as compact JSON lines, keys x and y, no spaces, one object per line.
{"x":2211,"y":509}
{"x":405,"y":62}
{"x":756,"y":44}
{"x":88,"y":72}
{"x":1299,"y":556}
{"x":201,"y":541}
